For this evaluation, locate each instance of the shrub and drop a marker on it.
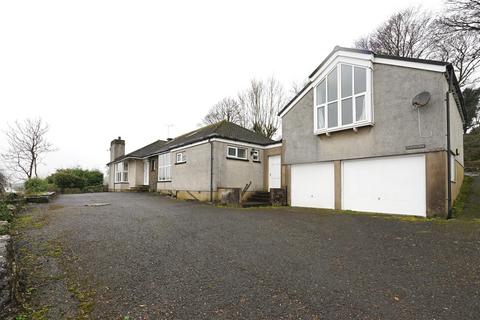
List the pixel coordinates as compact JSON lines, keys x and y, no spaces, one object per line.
{"x":64,"y":180}
{"x":35,"y":185}
{"x":5,"y":213}
{"x":75,"y":178}
{"x":98,"y":188}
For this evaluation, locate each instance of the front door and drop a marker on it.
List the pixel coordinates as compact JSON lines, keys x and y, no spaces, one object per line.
{"x":146,"y":173}
{"x":274,"y":172}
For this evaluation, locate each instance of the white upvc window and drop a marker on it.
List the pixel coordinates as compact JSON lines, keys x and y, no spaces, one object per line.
{"x":181,"y":157}
{"x":164,"y":167}
{"x":453,"y":177}
{"x":342,"y":98}
{"x":237,"y":153}
{"x":255,"y":155}
{"x":121,"y":171}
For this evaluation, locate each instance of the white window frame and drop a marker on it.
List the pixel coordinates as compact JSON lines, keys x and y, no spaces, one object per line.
{"x":368,"y":100}
{"x":164,"y":167}
{"x":236,"y":153}
{"x":453,"y":170}
{"x":256,"y":155}
{"x":181,"y":157}
{"x":121,"y":172}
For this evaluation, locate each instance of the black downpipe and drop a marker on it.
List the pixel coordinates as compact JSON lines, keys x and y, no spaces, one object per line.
{"x":211,"y":170}
{"x":449,"y":164}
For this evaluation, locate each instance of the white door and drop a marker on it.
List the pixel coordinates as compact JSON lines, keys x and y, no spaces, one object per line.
{"x":313,"y":185}
{"x":146,"y":173}
{"x":389,"y":185}
{"x":274,"y":172}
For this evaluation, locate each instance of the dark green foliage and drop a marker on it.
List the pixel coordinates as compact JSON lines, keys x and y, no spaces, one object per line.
{"x":65,"y":180}
{"x":5,"y":213}
{"x":462,"y":197}
{"x":471,"y":98}
{"x":471,"y":145}
{"x":35,"y":185}
{"x":75,"y":180}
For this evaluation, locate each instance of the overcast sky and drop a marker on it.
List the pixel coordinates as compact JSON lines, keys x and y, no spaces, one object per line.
{"x":95,"y":70}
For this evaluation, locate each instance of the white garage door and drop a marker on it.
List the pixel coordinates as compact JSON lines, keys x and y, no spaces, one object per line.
{"x":388,"y":185}
{"x":313,"y":185}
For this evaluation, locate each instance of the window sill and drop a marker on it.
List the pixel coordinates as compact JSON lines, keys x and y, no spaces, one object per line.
{"x":182,"y":162}
{"x":238,"y":159}
{"x":121,"y":182}
{"x":342,"y":128}
{"x":164,"y":180}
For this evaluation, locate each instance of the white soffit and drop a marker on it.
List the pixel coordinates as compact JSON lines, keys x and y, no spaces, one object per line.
{"x":360,"y":59}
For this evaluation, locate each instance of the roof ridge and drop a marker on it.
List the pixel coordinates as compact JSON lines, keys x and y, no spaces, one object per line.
{"x":158,"y":140}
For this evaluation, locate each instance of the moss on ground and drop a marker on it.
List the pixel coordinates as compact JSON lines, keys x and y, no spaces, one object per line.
{"x":465,"y":190}
{"x":36,"y":276}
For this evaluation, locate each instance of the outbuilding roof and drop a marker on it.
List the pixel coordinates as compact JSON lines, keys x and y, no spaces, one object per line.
{"x":222,"y":130}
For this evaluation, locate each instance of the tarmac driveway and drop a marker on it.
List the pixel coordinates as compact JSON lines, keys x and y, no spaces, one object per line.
{"x":150,"y":257}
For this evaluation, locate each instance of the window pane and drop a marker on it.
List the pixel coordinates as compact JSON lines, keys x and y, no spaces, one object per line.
{"x":332,"y":85}
{"x":347,"y":111}
{"x":332,"y":115}
{"x":360,"y":80}
{"x":321,"y":93}
{"x":360,"y":108}
{"x":231,"y":152}
{"x":346,"y":80}
{"x":242,"y":153}
{"x":321,"y":118}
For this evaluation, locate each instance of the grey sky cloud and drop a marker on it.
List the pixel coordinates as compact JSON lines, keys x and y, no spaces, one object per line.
{"x":95,"y":70}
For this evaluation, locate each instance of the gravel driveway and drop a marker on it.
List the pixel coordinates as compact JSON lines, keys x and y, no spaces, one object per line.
{"x":150,"y":257}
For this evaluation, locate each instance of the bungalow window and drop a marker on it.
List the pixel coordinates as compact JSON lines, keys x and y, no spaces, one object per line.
{"x":341,"y":99}
{"x":121,"y":172}
{"x":255,"y":155}
{"x":181,"y":157}
{"x":237,"y":153}
{"x":164,"y":167}
{"x":452,"y":168}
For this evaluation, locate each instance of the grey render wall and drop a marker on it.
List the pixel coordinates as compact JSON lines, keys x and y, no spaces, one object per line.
{"x":236,"y":173}
{"x":456,"y":130}
{"x":396,"y":123}
{"x":195,"y":174}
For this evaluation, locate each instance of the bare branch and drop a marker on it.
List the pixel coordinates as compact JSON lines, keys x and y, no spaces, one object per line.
{"x":27,"y":144}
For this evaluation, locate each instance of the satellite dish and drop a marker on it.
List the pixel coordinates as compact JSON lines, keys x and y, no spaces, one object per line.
{"x":421,"y":99}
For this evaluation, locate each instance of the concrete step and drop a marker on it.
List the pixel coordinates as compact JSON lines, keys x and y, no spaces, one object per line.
{"x":250,"y":204}
{"x":140,"y":189}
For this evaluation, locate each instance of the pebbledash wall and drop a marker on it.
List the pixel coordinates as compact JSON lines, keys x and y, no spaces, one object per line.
{"x":192,"y":179}
{"x":395,"y":127}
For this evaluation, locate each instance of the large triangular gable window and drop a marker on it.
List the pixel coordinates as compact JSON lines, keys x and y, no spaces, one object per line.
{"x":342,"y":98}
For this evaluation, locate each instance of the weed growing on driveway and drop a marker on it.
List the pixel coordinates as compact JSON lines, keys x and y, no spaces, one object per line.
{"x":44,"y":269}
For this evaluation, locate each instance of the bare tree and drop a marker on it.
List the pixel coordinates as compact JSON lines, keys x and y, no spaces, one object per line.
{"x":405,"y":34}
{"x":462,"y":50}
{"x":261,"y":102}
{"x":226,"y":109}
{"x":463,"y":15}
{"x":414,"y":33}
{"x":296,"y":87}
{"x":472,"y":106}
{"x":27,"y":143}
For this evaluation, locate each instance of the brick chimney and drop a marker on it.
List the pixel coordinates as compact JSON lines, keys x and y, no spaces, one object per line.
{"x":117,"y":148}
